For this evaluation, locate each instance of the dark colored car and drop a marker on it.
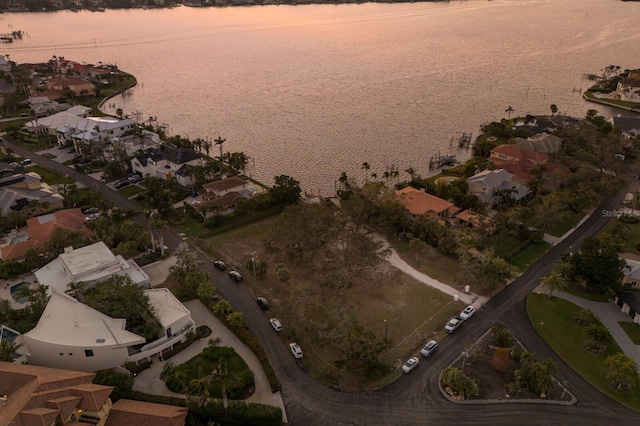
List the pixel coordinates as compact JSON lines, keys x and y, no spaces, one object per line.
{"x":220,"y":265}
{"x":91,"y":210}
{"x":122,"y":183}
{"x":263,"y":303}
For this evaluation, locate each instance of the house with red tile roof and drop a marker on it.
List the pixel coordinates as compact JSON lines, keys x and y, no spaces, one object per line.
{"x":42,"y":228}
{"x":518,"y":161}
{"x":419,"y":203}
{"x":31,"y":395}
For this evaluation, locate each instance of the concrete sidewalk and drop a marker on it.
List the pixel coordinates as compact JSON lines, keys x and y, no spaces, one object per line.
{"x":610,"y":314}
{"x":148,"y":381}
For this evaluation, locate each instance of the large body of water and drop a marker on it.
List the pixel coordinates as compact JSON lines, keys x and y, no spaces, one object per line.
{"x":311,"y":91}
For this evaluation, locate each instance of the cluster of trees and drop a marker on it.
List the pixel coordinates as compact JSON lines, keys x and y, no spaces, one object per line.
{"x":192,"y":280}
{"x":598,"y":264}
{"x":534,"y":375}
{"x":326,"y":241}
{"x":118,"y":297}
{"x":360,"y":351}
{"x":461,"y":384}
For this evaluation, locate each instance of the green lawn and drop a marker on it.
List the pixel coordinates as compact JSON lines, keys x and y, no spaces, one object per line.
{"x":578,"y":290}
{"x":519,"y":253}
{"x":554,"y":320}
{"x":630,"y":233}
{"x":130,"y":191}
{"x":564,"y":224}
{"x":50,"y":177}
{"x":632,"y":329}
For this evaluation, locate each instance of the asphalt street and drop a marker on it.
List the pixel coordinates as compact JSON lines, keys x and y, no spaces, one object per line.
{"x":414,"y":399}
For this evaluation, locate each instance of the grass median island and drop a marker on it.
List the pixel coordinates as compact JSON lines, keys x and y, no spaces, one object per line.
{"x":554,"y":320}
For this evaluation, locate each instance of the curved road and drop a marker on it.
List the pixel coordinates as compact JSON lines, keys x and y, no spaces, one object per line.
{"x":414,"y":399}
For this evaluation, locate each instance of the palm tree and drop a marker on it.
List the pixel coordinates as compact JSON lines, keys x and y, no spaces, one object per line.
{"x":206,"y":144}
{"x":219,"y":142}
{"x":554,"y":282}
{"x":76,"y":290}
{"x":366,"y":167}
{"x":411,"y":172}
{"x":7,"y":349}
{"x":157,"y":226}
{"x":509,"y":110}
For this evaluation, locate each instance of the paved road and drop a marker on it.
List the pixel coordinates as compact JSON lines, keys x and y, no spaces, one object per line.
{"x":414,"y":399}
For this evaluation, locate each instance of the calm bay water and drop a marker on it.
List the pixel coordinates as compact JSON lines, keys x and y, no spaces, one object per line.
{"x":311,"y":91}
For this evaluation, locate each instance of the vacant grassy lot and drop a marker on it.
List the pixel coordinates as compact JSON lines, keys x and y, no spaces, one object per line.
{"x":520,"y":254}
{"x":633,"y":331}
{"x":630,"y":233}
{"x":395,"y":305}
{"x":50,"y":177}
{"x":554,"y":320}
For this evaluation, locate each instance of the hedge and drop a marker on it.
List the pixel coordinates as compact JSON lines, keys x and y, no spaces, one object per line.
{"x":237,"y":413}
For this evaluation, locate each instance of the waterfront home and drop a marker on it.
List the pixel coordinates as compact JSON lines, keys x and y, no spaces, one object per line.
{"x":58,"y":124}
{"x":541,"y":142}
{"x":43,"y":107}
{"x":76,"y":84}
{"x":518,"y":161}
{"x":628,"y":89}
{"x":167,"y":162}
{"x":630,"y":125}
{"x":486,"y":184}
{"x":419,"y":203}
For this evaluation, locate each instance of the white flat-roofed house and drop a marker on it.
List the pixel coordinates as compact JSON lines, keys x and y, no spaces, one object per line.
{"x":175,"y":319}
{"x":99,"y":128}
{"x":73,"y":336}
{"x":90,"y":264}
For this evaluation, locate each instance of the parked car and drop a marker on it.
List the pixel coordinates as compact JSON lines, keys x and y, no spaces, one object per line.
{"x":26,"y":162}
{"x":134,"y":178}
{"x":276,"y":324}
{"x":295,"y":350}
{"x":236,"y":276}
{"x":453,"y":325}
{"x":91,"y":210}
{"x":467,"y":312}
{"x":121,"y":183}
{"x":196,"y":202}
{"x":410,"y":364}
{"x":429,"y":349}
{"x":91,"y":217}
{"x":262,"y":302}
{"x":220,"y":265}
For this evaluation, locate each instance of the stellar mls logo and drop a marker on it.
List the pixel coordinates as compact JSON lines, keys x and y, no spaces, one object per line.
{"x":618,"y":213}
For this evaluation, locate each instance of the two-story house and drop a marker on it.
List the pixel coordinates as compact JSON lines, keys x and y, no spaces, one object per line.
{"x":628,"y":89}
{"x":420,"y":203}
{"x":27,"y":193}
{"x":486,"y":184}
{"x":518,"y":161}
{"x":167,"y":162}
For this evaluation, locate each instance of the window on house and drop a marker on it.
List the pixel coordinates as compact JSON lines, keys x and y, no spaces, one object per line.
{"x":502,"y":156}
{"x":88,"y":352}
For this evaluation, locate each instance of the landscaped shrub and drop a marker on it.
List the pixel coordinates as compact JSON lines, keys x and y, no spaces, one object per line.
{"x":237,"y":413}
{"x":203,"y":331}
{"x":502,"y":336}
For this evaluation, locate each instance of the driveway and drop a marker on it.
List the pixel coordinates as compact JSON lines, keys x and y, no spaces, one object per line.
{"x":148,"y":381}
{"x":610,"y":315}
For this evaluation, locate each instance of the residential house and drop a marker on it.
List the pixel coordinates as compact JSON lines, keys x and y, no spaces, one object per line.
{"x":43,"y":107}
{"x":518,"y":161}
{"x":70,"y":334}
{"x":90,"y":129}
{"x":76,"y":84}
{"x":61,"y":65}
{"x":475,"y":220}
{"x":629,"y":303}
{"x":90,"y":264}
{"x":40,"y":230}
{"x":419,"y":203}
{"x":631,"y":271}
{"x":541,"y":142}
{"x":126,"y":412}
{"x":167,"y":162}
{"x":224,"y":186}
{"x":630,"y":125}
{"x":34,"y":395}
{"x":28,"y":194}
{"x":487,"y":183}
{"x":628,"y":89}
{"x":5,"y":65}
{"x":59,"y":124}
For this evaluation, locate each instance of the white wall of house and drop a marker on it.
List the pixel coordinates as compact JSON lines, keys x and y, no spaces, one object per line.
{"x":47,"y":354}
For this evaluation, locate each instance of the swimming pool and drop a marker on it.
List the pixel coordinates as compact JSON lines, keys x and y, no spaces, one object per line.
{"x":16,"y":288}
{"x":19,"y":239}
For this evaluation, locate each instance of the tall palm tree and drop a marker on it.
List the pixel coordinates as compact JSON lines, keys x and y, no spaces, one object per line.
{"x":509,"y":110}
{"x":554,"y":282}
{"x":76,"y":290}
{"x":366,"y":167}
{"x":157,"y":226}
{"x":411,"y":172}
{"x":219,"y":142}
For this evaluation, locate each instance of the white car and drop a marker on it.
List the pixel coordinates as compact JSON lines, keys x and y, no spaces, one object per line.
{"x":453,"y":325}
{"x":276,"y":324}
{"x":295,"y":350}
{"x":429,"y":349}
{"x":410,"y":364}
{"x":467,"y":312}
{"x":94,"y":216}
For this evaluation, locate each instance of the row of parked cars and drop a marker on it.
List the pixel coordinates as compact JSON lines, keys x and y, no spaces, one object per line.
{"x":233,"y":274}
{"x":432,"y":346}
{"x":132,"y":178}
